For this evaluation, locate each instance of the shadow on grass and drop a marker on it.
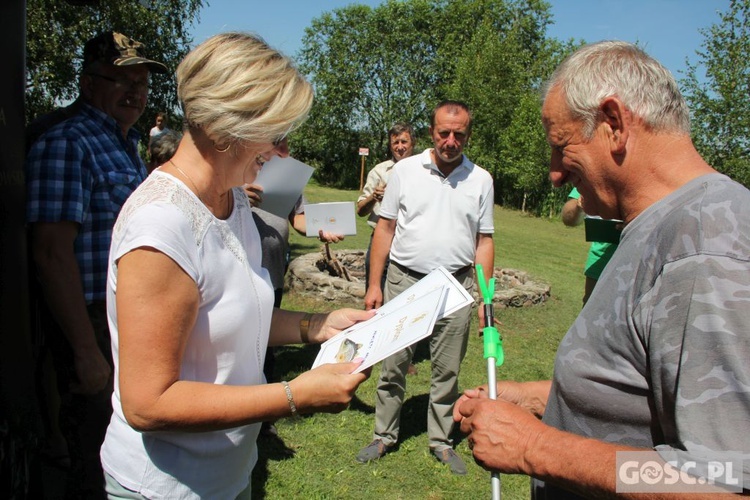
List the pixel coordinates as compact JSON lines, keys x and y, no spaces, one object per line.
{"x":293,"y":360}
{"x":413,"y":417}
{"x":307,"y":246}
{"x":270,"y":448}
{"x":414,"y":420}
{"x":289,"y":362}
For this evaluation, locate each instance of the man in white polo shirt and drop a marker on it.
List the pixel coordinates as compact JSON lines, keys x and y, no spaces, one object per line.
{"x":437,"y":211}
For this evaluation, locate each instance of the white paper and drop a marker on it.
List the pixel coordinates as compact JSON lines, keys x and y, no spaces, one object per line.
{"x":282,"y":180}
{"x":384,"y":335}
{"x":335,"y":217}
{"x":409,"y":303}
{"x":458,"y":296}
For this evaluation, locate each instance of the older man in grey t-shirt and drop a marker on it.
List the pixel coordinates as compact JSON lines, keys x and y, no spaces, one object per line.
{"x":657,"y":359}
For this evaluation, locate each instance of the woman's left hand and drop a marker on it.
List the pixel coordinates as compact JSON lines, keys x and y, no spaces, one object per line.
{"x":336,"y":321}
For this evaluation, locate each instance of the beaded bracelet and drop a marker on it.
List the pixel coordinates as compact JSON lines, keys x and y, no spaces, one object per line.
{"x":289,"y":398}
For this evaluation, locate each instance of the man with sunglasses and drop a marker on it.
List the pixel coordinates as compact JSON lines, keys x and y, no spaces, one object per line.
{"x":78,"y":175}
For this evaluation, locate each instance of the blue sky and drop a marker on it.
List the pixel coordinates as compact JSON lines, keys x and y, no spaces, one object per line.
{"x":667,"y":29}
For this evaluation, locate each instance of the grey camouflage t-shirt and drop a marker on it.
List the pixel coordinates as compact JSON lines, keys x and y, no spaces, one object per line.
{"x":660,"y":355}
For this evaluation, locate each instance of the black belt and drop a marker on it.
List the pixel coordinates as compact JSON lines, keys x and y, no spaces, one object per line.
{"x":418,"y":275}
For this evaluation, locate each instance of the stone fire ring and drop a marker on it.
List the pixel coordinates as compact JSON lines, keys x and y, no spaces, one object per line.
{"x":309,"y":275}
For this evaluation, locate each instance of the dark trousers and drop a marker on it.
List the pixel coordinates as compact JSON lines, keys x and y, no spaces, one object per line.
{"x":270,"y":362}
{"x":83,"y":417}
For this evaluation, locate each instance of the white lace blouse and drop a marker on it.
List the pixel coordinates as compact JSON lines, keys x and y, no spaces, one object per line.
{"x":227,"y":345}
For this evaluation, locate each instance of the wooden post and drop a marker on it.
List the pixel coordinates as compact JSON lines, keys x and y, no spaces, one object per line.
{"x":362,"y":153}
{"x":362,"y":174}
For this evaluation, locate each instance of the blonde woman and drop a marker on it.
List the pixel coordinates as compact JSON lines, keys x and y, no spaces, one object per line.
{"x":189,"y":305}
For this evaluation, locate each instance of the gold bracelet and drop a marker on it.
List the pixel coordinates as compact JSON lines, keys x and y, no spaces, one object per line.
{"x":304,"y":328}
{"x":289,"y":398}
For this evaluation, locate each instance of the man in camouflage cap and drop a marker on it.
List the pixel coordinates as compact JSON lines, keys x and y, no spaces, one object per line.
{"x":656,"y":364}
{"x":78,"y":175}
{"x":115,"y":48}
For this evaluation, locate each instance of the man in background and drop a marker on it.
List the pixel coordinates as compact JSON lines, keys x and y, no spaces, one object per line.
{"x":274,"y":237}
{"x":401,"y":145}
{"x":78,"y":175}
{"x":599,"y":251}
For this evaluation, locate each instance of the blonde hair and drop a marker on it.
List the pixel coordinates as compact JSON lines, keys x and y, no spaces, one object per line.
{"x":236,"y":88}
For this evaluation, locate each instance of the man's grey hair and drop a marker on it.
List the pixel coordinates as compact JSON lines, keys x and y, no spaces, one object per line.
{"x":620,"y":69}
{"x":399,"y":128}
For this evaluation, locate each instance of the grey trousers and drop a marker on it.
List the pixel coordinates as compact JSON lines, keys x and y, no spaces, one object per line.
{"x":448,"y":343}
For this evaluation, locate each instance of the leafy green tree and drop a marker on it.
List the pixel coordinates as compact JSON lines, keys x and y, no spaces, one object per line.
{"x":57,"y":31}
{"x":469,"y":27}
{"x":499,"y":74}
{"x":720,"y":101}
{"x":370,"y":67}
{"x":523,"y":157}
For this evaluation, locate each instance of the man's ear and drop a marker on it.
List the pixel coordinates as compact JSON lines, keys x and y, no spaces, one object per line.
{"x":85,"y":84}
{"x":617,"y":117}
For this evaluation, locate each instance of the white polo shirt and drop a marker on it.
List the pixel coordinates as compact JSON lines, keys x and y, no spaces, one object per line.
{"x":437,"y":218}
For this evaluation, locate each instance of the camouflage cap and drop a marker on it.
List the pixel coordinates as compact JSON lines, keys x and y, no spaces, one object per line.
{"x":115,"y":48}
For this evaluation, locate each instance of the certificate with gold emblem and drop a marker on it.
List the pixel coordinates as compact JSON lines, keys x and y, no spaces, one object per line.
{"x":406,"y":319}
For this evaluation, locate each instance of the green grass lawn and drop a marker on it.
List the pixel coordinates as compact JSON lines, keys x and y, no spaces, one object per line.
{"x":314,"y":455}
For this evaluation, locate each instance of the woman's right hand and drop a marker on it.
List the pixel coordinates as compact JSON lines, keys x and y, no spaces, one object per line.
{"x":328,"y":388}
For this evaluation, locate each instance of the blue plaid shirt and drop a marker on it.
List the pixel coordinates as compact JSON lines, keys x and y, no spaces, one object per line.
{"x":82,"y":170}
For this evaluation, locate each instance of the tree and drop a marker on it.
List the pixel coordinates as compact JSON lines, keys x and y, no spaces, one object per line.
{"x":370,"y":68}
{"x":523,"y":160}
{"x":720,"y":104}
{"x":57,"y":31}
{"x":499,"y":73}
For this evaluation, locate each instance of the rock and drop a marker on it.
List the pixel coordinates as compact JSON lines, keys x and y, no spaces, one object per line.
{"x":309,"y":275}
